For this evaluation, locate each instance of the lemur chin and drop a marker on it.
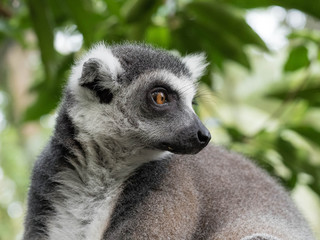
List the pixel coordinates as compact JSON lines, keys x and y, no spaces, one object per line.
{"x":124,"y":161}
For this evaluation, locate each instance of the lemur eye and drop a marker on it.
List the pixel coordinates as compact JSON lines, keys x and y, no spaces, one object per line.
{"x":159,"y":97}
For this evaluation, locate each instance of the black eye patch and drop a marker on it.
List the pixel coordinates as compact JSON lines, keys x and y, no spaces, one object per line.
{"x":104,"y":94}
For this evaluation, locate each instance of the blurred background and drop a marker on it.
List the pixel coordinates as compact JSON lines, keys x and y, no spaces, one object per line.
{"x":260,"y":95}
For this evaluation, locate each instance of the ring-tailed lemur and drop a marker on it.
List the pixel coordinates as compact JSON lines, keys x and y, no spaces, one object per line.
{"x":115,"y":166}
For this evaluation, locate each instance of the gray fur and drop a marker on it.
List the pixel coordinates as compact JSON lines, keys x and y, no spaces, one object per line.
{"x":215,"y":194}
{"x":137,"y":59}
{"x":108,"y":171}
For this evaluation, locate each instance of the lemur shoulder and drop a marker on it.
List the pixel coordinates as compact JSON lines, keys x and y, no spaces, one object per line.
{"x":125,"y":160}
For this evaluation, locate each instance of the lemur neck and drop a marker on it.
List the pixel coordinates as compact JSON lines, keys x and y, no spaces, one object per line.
{"x":116,"y":157}
{"x":90,"y":188}
{"x":109,"y":157}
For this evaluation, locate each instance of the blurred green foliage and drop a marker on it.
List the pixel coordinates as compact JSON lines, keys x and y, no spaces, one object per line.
{"x":286,"y":143}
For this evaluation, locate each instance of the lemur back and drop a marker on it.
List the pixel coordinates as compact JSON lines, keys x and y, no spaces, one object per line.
{"x":125,"y":160}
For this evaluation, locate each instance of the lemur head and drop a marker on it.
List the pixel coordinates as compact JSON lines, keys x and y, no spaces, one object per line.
{"x":139,"y":97}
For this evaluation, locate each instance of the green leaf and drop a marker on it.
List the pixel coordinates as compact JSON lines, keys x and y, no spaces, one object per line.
{"x":310,"y":7}
{"x":289,"y":156}
{"x":48,"y":95}
{"x":298,"y":58}
{"x":315,"y":184}
{"x":309,"y":35}
{"x":47,"y":100}
{"x":249,"y":3}
{"x":139,"y":10}
{"x":114,"y":8}
{"x":85,"y":18}
{"x":158,"y":36}
{"x":5,"y":28}
{"x":59,"y":11}
{"x":308,"y":133}
{"x":226,"y":19}
{"x":44,"y":27}
{"x":310,"y":94}
{"x":235,"y":134}
{"x":217,"y":28}
{"x":186,"y":40}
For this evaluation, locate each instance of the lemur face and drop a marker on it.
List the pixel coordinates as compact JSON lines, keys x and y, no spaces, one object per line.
{"x":139,"y":96}
{"x":163,"y":104}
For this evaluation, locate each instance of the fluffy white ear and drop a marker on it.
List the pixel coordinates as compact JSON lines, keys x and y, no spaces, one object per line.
{"x":99,"y":59}
{"x":196,"y":63}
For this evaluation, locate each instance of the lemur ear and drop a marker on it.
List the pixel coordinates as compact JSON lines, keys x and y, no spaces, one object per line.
{"x":95,"y":76}
{"x":196,"y":63}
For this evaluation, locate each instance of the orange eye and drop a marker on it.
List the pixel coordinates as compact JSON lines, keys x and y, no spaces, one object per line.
{"x":159,"y":97}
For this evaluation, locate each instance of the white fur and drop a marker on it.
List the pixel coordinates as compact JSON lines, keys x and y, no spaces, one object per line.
{"x":111,"y":65}
{"x":80,"y":195}
{"x":196,"y":64}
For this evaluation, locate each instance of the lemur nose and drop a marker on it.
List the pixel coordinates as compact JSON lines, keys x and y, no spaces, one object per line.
{"x":204,"y":136}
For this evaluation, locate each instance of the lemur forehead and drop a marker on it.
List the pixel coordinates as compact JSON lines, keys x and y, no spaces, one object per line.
{"x":126,"y":62}
{"x":137,"y":59}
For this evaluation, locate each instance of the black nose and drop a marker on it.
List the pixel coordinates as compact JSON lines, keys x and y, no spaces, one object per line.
{"x":204,"y":136}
